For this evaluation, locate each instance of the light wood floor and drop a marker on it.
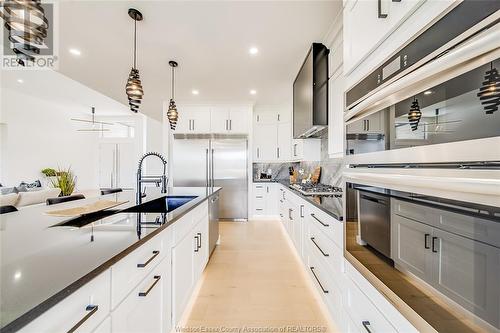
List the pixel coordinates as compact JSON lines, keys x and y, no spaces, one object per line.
{"x":255,"y":280}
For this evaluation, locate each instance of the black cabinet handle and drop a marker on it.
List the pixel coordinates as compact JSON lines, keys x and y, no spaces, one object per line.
{"x":319,"y":282}
{"x":92,"y":309}
{"x":366,"y":325}
{"x":323,"y":224}
{"x":434,"y":244}
{"x":320,"y":250}
{"x":155,"y":253}
{"x":199,"y":239}
{"x":145,"y":293}
{"x":197,"y":248}
{"x":426,"y":238}
{"x":380,"y":14}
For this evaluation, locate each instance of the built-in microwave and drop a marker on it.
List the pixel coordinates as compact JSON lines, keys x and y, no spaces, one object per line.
{"x":441,"y":257}
{"x":428,"y":107}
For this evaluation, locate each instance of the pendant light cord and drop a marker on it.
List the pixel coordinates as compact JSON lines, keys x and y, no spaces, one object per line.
{"x":173,"y":80}
{"x":135,"y":41}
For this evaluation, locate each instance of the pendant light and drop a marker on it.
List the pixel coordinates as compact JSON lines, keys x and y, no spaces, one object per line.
{"x":489,"y":92}
{"x":27,"y":26}
{"x":414,"y":115}
{"x":134,"y":86}
{"x":172,"y":113}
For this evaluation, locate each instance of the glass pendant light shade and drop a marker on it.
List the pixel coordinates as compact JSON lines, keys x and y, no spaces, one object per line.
{"x":489,"y":92}
{"x":133,"y":88}
{"x":27,"y":26}
{"x":172,"y":113}
{"x":414,"y":115}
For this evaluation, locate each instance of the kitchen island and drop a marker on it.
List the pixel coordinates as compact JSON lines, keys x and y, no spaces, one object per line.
{"x":48,"y":261}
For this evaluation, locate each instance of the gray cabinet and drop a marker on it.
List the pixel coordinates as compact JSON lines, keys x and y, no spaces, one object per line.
{"x":465,"y":270}
{"x":411,"y":243}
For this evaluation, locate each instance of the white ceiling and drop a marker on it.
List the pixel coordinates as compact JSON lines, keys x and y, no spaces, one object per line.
{"x":209,"y":39}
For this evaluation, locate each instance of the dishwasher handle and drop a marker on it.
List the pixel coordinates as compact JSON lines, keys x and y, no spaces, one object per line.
{"x":373,"y":199}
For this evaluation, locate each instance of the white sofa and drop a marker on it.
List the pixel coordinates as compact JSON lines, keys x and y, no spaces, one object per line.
{"x":23,"y":199}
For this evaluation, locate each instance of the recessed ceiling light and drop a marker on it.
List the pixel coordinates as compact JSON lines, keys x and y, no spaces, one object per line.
{"x":427,"y":92}
{"x":195,"y":92}
{"x":253,"y":92}
{"x":75,"y":52}
{"x":20,"y":81}
{"x":253,"y":50}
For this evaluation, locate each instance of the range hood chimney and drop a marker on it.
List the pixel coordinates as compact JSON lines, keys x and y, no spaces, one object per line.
{"x":310,"y":94}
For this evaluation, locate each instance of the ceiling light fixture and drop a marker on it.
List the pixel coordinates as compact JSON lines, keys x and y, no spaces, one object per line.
{"x":20,"y":81}
{"x":253,"y":92}
{"x":428,"y":92}
{"x":489,"y":92}
{"x":195,"y":92}
{"x":414,"y":115}
{"x":27,"y":26}
{"x":172,"y":113}
{"x":75,"y":52}
{"x":134,"y":86}
{"x":253,"y":50}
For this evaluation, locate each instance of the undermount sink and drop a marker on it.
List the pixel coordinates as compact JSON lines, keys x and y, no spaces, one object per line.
{"x":162,"y":205}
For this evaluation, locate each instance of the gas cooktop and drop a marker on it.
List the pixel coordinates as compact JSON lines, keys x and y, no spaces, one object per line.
{"x":318,"y":189}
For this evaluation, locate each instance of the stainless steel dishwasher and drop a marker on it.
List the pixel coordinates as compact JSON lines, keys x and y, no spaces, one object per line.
{"x":213,"y":227}
{"x":375,"y":221}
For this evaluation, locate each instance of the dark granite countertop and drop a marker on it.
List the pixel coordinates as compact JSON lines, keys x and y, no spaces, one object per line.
{"x":41,"y":263}
{"x":329,"y":204}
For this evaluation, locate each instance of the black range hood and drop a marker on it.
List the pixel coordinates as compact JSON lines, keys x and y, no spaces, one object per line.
{"x":310,"y":94}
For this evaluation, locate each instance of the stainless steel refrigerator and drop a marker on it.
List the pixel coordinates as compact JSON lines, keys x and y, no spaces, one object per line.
{"x":220,"y":161}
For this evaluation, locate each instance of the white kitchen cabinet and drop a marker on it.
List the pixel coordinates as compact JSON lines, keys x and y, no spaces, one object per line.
{"x":411,"y":246}
{"x":272,"y":116}
{"x":362,"y":39}
{"x":265,"y":199}
{"x":146,"y":308}
{"x":91,"y":301}
{"x":283,"y":148}
{"x":229,"y":120}
{"x":336,"y":115}
{"x":306,"y":150}
{"x":193,"y":120}
{"x":104,"y":327}
{"x":265,"y":140}
{"x":182,"y":274}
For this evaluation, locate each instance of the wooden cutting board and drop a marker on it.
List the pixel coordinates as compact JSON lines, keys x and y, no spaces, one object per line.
{"x":316,"y":175}
{"x":86,"y":209}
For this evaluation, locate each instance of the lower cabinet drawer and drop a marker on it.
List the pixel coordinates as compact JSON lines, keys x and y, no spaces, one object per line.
{"x":323,"y":247}
{"x":322,"y":280}
{"x":129,"y":271}
{"x":363,"y":312}
{"x":82,"y":311}
{"x":144,"y":309}
{"x":328,"y":224}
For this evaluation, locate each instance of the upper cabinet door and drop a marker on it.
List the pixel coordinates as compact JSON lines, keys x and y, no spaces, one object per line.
{"x":284,"y":148}
{"x":220,"y":120}
{"x":193,"y":119}
{"x":264,"y":143}
{"x":336,"y":116}
{"x":238,"y":120}
{"x":378,"y":23}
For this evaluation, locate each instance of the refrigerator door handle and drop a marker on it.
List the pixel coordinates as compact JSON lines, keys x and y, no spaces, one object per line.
{"x":212,"y":169}
{"x":207,"y":168}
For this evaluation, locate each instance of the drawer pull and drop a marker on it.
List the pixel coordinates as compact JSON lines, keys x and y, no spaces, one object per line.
{"x":145,"y":293}
{"x":324,"y":254}
{"x":319,"y":282}
{"x":259,"y":186}
{"x":259,"y":196}
{"x":301,"y":210}
{"x":434,"y":244}
{"x":323,"y":224}
{"x":92,"y":309}
{"x":199,"y":240}
{"x":426,"y":237}
{"x":155,"y":253}
{"x":366,"y":325}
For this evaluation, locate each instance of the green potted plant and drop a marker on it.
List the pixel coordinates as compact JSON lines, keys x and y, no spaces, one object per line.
{"x":49,"y":172}
{"x":65,"y":180}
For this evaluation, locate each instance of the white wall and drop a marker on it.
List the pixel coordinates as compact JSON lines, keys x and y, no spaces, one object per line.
{"x":38,"y":134}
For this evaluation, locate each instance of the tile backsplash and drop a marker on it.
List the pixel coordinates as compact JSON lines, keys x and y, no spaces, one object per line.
{"x":331,"y":169}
